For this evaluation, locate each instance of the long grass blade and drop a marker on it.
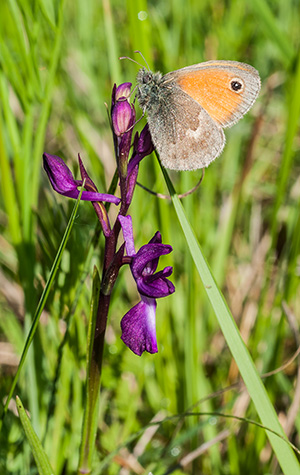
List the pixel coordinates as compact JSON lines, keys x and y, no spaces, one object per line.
{"x":43,"y":300}
{"x":257,"y":391}
{"x":40,"y":456}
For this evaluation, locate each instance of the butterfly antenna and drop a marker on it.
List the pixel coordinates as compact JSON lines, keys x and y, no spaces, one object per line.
{"x":139,"y":52}
{"x":130,"y":59}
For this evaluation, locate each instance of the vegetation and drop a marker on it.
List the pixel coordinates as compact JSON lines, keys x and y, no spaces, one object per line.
{"x":58,"y":63}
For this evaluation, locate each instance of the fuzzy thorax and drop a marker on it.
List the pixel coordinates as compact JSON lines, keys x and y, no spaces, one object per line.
{"x":149,"y":85}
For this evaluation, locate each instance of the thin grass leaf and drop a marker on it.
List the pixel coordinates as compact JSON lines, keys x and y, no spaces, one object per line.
{"x":43,"y":299}
{"x":25,"y":169}
{"x":10,"y":119}
{"x":12,"y":72}
{"x":8,"y":191}
{"x":271,"y":28}
{"x":140,"y":28}
{"x":112,"y":49}
{"x":108,"y":459}
{"x":288,"y":154}
{"x":256,"y":389}
{"x":40,"y":456}
{"x":47,"y":8}
{"x":90,"y":420}
{"x":41,"y":129}
{"x":29,"y":71}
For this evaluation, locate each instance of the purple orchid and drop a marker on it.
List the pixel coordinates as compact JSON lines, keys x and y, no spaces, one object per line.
{"x":142,"y":146}
{"x":123,"y":119}
{"x":138,"y":325}
{"x":63,"y":182}
{"x":121,"y":116}
{"x":121,"y":91}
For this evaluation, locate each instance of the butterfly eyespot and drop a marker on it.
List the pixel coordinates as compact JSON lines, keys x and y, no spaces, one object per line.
{"x":236,"y":85}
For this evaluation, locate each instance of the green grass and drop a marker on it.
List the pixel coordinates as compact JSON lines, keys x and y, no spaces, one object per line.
{"x":58,"y":62}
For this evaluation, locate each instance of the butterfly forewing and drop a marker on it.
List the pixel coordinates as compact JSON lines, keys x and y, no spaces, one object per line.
{"x":225,"y":89}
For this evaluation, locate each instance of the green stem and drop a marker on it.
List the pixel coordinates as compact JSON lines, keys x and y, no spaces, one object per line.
{"x":96,"y":333}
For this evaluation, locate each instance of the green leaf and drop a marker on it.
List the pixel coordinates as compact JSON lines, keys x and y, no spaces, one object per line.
{"x":271,"y":28}
{"x":40,"y":456}
{"x":256,"y":389}
{"x":91,"y":413}
{"x":43,"y":299}
{"x":47,"y":8}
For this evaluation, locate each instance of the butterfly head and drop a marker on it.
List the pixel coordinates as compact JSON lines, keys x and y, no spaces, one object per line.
{"x":148,"y":84}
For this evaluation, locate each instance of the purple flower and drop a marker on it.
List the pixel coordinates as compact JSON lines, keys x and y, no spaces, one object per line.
{"x":124,"y":90}
{"x":142,"y":147}
{"x":143,"y":144}
{"x":138,"y":325}
{"x":63,"y":182}
{"x":121,"y":116}
{"x":122,"y":112}
{"x":145,"y":263}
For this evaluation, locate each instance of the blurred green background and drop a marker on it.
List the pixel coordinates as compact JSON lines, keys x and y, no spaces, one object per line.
{"x":58,"y":63}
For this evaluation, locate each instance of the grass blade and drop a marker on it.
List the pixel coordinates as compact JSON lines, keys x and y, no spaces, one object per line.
{"x":257,"y":391}
{"x":269,"y":22}
{"x":40,"y":456}
{"x":43,"y":299}
{"x":90,"y":420}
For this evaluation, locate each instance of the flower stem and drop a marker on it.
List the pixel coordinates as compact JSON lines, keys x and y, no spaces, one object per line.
{"x":96,"y":333}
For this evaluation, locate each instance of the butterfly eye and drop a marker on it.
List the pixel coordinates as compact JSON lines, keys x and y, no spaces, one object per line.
{"x":236,"y":85}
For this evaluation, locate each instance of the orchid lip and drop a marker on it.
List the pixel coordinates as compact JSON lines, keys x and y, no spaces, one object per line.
{"x":139,"y":327}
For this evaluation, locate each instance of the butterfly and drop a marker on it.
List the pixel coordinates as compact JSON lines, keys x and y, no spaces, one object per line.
{"x":187,"y":109}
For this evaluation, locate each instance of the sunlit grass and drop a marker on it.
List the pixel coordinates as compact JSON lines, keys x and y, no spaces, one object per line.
{"x":58,"y":62}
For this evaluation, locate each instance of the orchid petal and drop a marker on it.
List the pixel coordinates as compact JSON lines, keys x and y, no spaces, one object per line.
{"x":126,"y":224}
{"x":59,"y":174}
{"x":143,"y":146}
{"x":121,"y":117}
{"x":131,"y":182}
{"x":139,"y":327}
{"x":134,"y":161}
{"x":156,"y":285}
{"x":63,"y":182}
{"x":124,"y":90}
{"x":146,"y":260}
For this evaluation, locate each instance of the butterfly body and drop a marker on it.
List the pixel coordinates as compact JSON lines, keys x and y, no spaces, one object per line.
{"x":187,"y":109}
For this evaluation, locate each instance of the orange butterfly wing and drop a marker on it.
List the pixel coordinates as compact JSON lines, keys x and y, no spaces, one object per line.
{"x":225,"y":89}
